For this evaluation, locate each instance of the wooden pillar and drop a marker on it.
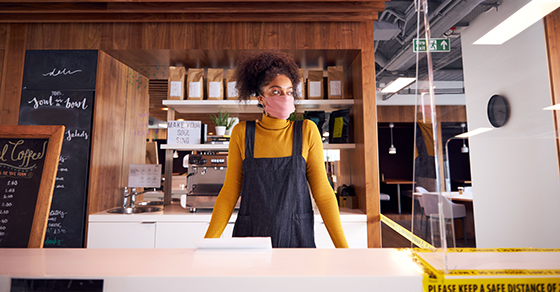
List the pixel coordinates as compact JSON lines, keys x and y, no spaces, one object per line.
{"x":552,"y":31}
{"x":12,"y":73}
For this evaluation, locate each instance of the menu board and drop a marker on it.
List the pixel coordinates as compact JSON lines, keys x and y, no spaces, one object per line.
{"x":59,"y":90}
{"x":28,"y":164}
{"x":20,"y":178}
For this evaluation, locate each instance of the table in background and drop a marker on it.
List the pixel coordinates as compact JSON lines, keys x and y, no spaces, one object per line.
{"x":398,"y":182}
{"x":465,"y":196}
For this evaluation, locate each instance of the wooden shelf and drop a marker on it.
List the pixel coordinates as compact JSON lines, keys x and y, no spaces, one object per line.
{"x":339,"y":146}
{"x":224,"y":147}
{"x":250,"y":106}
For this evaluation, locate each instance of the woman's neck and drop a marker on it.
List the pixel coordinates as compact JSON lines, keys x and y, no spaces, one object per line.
{"x":270,"y":123}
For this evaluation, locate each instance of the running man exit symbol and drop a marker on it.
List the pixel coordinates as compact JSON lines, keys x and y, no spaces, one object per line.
{"x":436,"y":45}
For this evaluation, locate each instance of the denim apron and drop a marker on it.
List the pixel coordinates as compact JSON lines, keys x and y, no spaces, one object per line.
{"x":275,"y":199}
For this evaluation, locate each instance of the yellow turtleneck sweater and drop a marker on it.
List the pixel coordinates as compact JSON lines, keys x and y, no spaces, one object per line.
{"x":273,"y":138}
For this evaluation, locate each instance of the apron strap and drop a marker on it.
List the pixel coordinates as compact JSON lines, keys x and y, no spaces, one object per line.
{"x":249,"y":139}
{"x":297,"y":140}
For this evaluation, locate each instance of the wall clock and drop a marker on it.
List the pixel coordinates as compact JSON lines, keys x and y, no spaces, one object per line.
{"x":498,"y":110}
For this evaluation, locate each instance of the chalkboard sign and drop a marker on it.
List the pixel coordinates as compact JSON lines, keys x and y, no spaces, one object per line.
{"x":68,"y":100}
{"x":60,"y":69}
{"x":28,"y":164}
{"x":56,"y":285}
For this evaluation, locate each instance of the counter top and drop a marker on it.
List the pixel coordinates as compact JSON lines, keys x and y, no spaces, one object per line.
{"x":175,"y":213}
{"x":219,"y":270}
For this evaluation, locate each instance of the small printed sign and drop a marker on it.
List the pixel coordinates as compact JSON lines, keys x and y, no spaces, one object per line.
{"x":436,"y":45}
{"x":144,"y":176}
{"x":183,"y":132}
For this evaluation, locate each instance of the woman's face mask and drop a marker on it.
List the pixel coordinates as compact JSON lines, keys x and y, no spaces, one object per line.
{"x":279,"y":106}
{"x":277,"y":98}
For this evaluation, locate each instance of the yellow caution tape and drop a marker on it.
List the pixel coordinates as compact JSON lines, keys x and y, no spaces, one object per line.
{"x":525,"y":249}
{"x":511,"y":272}
{"x":517,"y":284}
{"x":407,"y":234}
{"x":488,"y":280}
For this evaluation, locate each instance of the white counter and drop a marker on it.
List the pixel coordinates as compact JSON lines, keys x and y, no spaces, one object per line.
{"x":219,"y":270}
{"x":175,"y":213}
{"x":176,"y":227}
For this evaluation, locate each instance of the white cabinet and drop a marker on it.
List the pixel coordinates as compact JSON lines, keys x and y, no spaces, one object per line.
{"x":183,"y":234}
{"x":121,"y":234}
{"x":179,"y":234}
{"x":175,"y":227}
{"x":355,"y":232}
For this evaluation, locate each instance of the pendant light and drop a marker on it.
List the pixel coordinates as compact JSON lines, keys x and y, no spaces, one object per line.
{"x":392,"y":149}
{"x":464,"y":148}
{"x":175,"y":154}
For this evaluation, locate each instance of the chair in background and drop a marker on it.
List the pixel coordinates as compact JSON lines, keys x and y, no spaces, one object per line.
{"x":420,"y":190}
{"x":383,"y":197}
{"x":450,"y":210}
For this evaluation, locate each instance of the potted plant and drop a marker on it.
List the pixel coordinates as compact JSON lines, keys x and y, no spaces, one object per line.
{"x":221,"y":120}
{"x":232,"y":121}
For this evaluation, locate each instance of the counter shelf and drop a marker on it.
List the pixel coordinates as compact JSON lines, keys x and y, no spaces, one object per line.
{"x":250,"y":106}
{"x":224,"y":147}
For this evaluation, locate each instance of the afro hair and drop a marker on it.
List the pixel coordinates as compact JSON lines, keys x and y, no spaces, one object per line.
{"x":256,"y":69}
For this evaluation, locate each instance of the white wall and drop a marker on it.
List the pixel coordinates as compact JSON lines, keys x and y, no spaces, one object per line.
{"x":514,"y":168}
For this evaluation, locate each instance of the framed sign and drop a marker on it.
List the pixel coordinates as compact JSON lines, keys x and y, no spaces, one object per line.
{"x":29,"y":158}
{"x":184,"y":132}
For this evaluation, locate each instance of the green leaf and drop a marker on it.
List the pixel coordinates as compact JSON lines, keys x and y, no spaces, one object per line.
{"x":221,"y":119}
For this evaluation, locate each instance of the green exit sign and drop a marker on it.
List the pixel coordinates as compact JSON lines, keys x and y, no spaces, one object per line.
{"x":436,"y":45}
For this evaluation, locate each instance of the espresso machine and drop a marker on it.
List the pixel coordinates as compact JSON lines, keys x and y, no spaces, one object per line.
{"x":206,"y":172}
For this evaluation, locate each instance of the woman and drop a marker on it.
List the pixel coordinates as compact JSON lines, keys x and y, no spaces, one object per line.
{"x":271,"y":161}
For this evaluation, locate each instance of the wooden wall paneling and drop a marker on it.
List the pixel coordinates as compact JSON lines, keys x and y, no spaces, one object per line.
{"x":224,"y":35}
{"x":347,"y":34}
{"x":371,"y":157}
{"x":59,"y":36}
{"x":309,"y":37}
{"x":345,"y":166}
{"x":127,"y":36}
{"x":395,"y":114}
{"x":238,"y":41}
{"x":85,"y":36}
{"x":357,"y":158}
{"x":34,"y":36}
{"x":405,"y":113}
{"x":156,"y":35}
{"x":12,"y":72}
{"x":552,"y":31}
{"x":136,"y":119}
{"x":253,"y":36}
{"x":287,"y":35}
{"x":63,"y":37}
{"x":1,"y":69}
{"x":192,"y":7}
{"x":154,"y":11}
{"x":331,"y":35}
{"x":178,"y":36}
{"x":51,"y":35}
{"x":107,"y":143}
{"x":271,"y":37}
{"x":451,"y":113}
{"x":3,"y":35}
